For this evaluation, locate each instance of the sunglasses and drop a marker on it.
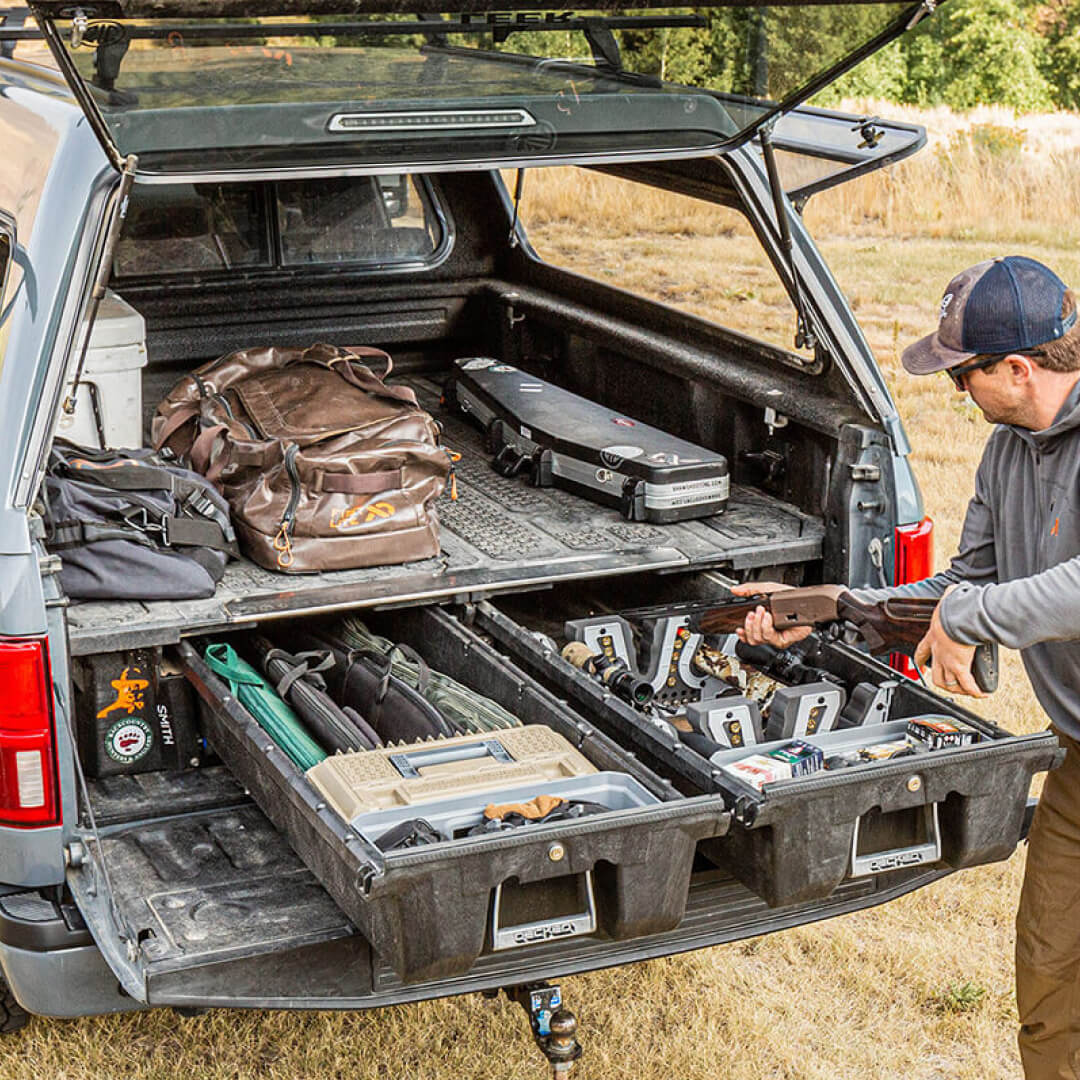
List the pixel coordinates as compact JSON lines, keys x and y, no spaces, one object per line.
{"x":981,"y":363}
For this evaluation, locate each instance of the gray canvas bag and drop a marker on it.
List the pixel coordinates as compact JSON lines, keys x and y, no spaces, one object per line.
{"x":129,"y":525}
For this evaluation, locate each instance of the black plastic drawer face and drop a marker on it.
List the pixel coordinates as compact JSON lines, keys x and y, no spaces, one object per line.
{"x":429,"y":912}
{"x":796,"y":838}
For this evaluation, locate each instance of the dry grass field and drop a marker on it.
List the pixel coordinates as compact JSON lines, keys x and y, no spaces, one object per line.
{"x":920,"y":989}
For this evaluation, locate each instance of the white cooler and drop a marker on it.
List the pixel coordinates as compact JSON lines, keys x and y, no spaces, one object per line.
{"x":112,"y":373}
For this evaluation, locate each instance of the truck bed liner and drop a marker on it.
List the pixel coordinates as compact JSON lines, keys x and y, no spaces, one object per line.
{"x":500,"y":535}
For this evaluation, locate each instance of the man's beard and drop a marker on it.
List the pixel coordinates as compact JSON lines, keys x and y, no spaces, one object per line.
{"x":998,"y":413}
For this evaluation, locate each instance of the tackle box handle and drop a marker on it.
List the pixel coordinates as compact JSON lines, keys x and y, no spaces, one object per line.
{"x":409,"y":764}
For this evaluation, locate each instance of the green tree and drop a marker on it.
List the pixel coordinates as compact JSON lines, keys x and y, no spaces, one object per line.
{"x":1058,"y":23}
{"x":977,"y":52}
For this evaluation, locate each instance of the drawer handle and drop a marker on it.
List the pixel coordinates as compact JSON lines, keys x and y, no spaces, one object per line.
{"x":897,"y":858}
{"x":533,"y":933}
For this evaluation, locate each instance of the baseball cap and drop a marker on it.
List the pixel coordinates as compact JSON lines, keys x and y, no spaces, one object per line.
{"x":1003,"y":305}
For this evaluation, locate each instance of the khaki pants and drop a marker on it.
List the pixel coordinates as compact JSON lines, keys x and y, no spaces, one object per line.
{"x":1048,"y":930}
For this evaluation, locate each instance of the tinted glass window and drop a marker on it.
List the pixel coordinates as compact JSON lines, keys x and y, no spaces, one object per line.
{"x":208,"y":228}
{"x":184,"y":227}
{"x":354,"y":219}
{"x":690,"y":254}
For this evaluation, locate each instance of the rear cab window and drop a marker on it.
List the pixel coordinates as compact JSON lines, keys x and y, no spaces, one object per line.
{"x":375,"y":221}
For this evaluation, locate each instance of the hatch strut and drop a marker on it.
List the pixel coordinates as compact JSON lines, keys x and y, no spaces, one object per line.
{"x":86,"y":101}
{"x":804,"y":334}
{"x":519,"y":186}
{"x":101,"y":281}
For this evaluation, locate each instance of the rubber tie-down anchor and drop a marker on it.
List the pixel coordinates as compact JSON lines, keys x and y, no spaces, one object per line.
{"x":554,"y":1028}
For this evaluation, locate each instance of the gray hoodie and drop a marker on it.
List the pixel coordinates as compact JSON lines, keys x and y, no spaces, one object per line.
{"x":1018,"y":566}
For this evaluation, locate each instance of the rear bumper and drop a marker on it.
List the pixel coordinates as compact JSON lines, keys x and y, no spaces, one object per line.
{"x":63,"y":982}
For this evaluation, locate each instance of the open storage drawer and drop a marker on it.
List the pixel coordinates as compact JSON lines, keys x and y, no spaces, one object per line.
{"x":797,"y":839}
{"x":430,"y":911}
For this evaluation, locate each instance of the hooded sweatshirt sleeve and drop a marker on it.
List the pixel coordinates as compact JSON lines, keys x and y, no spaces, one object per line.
{"x":1019,"y":612}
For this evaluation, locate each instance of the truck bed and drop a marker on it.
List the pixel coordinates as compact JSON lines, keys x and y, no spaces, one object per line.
{"x":499,"y":535}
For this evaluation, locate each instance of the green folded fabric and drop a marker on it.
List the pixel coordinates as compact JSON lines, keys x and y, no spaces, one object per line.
{"x":472,"y":711}
{"x":260,"y":699}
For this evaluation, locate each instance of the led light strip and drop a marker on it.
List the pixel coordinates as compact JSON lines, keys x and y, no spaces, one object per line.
{"x":432,"y":121}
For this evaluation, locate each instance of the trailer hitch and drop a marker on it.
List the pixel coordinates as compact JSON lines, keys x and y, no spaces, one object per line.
{"x":554,"y":1028}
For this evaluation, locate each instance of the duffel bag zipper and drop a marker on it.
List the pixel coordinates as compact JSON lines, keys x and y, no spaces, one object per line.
{"x":454,"y":457}
{"x":283,"y":540}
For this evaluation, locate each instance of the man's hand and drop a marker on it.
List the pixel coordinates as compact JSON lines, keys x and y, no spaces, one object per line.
{"x":951,"y":668}
{"x":758,"y":628}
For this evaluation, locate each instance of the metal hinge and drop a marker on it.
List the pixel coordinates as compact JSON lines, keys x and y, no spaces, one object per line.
{"x":49,"y":564}
{"x":79,"y":24}
{"x":870,"y":474}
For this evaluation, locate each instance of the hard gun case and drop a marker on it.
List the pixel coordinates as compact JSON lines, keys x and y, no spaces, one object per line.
{"x":798,"y":839}
{"x":557,"y":437}
{"x":429,"y":912}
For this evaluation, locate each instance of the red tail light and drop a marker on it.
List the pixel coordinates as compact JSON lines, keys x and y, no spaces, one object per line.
{"x":914,"y":545}
{"x":28,"y":778}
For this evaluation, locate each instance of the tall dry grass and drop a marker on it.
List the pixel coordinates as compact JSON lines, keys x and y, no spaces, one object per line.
{"x":985,"y":175}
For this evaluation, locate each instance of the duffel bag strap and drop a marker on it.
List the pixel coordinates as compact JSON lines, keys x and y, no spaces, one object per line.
{"x":202,"y":452}
{"x":372,"y":483}
{"x":191,"y":532}
{"x":73,"y":534}
{"x":349,"y":366}
{"x":330,"y":354}
{"x":168,"y":532}
{"x":183,"y":415}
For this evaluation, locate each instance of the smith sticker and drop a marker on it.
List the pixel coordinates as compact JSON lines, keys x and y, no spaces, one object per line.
{"x":129,"y":693}
{"x":128,"y":740}
{"x":362,"y":514}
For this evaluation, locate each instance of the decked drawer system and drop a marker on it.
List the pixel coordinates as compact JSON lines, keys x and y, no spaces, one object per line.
{"x":797,"y":839}
{"x":428,"y":912}
{"x":216,"y":900}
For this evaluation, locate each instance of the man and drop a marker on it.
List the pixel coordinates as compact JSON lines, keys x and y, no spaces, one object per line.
{"x":1008,"y":336}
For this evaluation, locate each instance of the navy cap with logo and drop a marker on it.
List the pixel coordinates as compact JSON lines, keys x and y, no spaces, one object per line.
{"x":1002,"y":305}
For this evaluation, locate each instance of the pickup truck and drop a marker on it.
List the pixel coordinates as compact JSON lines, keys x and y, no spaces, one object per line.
{"x":341,"y":171}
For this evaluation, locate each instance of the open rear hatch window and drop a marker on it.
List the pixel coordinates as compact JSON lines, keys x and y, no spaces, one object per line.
{"x":431,"y":88}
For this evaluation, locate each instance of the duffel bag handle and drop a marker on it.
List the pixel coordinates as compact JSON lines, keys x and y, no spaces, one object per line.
{"x":349,"y":364}
{"x":184,"y":414}
{"x":362,"y":377}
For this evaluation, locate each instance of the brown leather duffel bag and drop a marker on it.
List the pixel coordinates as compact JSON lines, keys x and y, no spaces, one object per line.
{"x":325,"y":467}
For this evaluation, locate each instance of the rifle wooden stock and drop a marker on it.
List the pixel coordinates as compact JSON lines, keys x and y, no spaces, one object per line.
{"x":814,"y":606}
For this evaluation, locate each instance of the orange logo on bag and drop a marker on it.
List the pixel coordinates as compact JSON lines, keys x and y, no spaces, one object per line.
{"x":350,"y":518}
{"x":380,"y":510}
{"x":1054,"y":530}
{"x":129,"y":693}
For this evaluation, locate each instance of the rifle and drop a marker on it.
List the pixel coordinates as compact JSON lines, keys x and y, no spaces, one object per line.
{"x":894,"y":625}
